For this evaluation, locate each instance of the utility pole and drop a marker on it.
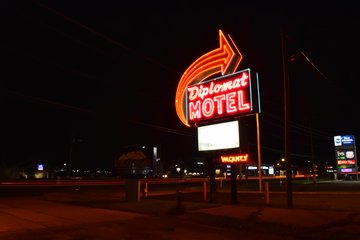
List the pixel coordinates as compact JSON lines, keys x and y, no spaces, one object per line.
{"x":286,"y":121}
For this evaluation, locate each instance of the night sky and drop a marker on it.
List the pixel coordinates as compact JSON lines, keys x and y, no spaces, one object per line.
{"x":103,"y":75}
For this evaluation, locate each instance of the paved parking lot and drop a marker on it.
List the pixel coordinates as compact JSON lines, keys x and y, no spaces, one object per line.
{"x":85,"y":214}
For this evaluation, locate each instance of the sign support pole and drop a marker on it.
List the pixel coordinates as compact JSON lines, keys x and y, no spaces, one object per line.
{"x":259,"y":152}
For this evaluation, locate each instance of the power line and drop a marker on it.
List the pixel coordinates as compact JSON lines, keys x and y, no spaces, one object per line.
{"x":103,"y":36}
{"x":312,"y":64}
{"x":76,"y":109}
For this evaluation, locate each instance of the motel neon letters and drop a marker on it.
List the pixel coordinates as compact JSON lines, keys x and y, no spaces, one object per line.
{"x":221,"y":97}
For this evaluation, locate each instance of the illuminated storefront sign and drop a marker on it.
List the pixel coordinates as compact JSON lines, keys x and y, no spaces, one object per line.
{"x":345,"y":140}
{"x":220,"y":97}
{"x":345,"y":154}
{"x":341,"y":162}
{"x":242,"y":158}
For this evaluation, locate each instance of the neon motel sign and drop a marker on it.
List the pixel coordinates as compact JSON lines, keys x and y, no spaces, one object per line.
{"x":198,"y":99}
{"x":223,"y":60}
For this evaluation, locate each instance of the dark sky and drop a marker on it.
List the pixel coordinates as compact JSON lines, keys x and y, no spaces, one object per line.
{"x":106,"y":72}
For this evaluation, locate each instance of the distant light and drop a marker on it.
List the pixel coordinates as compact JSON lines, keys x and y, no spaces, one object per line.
{"x":40,"y":167}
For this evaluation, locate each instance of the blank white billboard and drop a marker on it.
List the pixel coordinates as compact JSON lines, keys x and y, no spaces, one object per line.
{"x":219,"y":136}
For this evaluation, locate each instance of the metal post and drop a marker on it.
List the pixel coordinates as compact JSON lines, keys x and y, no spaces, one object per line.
{"x":145,"y":190}
{"x":204,"y":190}
{"x":267,"y":197}
{"x":213,"y":191}
{"x":259,"y":152}
{"x":356,"y":165}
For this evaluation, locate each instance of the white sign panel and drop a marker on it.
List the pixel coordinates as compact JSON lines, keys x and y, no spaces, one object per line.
{"x":219,"y":136}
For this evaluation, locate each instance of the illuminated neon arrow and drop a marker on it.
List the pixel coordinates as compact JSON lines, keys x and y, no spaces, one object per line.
{"x":222,"y":60}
